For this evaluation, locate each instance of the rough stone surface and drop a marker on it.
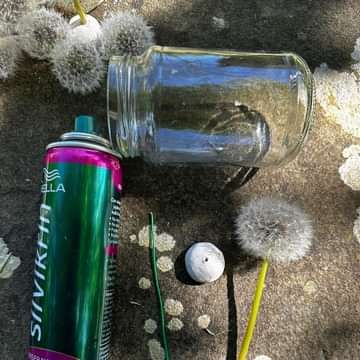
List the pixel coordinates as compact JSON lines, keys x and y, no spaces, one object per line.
{"x":192,"y":204}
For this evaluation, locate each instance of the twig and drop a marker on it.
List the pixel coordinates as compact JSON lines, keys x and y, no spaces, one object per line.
{"x":136,"y":303}
{"x":209,"y":332}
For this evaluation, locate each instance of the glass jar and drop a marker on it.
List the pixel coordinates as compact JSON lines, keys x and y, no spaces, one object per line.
{"x":191,"y":106}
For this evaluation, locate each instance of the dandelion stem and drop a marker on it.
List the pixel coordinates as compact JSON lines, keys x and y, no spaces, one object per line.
{"x":254,"y":311}
{"x":79,"y":9}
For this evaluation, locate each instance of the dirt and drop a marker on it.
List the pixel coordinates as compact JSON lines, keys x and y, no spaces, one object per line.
{"x":192,"y":204}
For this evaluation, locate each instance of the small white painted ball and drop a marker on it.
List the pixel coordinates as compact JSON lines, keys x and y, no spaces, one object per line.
{"x":86,"y":32}
{"x":204,"y":262}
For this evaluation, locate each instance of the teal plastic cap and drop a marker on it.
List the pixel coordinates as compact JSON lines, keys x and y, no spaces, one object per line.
{"x":85,"y":123}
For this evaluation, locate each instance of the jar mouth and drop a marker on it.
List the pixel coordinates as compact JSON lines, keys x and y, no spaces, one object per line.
{"x":122,"y":114}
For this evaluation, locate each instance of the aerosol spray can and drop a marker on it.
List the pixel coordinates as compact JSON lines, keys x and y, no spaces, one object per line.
{"x":76,"y":248}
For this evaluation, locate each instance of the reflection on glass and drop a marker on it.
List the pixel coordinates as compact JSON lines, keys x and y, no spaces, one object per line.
{"x":175,"y":105}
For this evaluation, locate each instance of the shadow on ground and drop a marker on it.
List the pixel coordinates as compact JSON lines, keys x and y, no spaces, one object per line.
{"x":320,"y":31}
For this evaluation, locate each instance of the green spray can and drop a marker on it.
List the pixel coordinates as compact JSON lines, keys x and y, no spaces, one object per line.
{"x":76,"y":248}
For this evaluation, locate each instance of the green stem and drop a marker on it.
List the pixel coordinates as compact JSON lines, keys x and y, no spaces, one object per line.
{"x":254,"y":310}
{"x":152,"y":236}
{"x":79,"y":9}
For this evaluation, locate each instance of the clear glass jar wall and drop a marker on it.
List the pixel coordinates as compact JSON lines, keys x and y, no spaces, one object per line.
{"x":179,"y":105}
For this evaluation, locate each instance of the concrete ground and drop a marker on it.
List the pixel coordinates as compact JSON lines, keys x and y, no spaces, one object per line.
{"x":311,"y":309}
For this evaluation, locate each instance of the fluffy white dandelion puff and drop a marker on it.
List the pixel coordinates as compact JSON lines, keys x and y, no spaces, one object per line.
{"x":274,"y":229}
{"x":78,"y":65}
{"x":12,"y":10}
{"x":126,"y":33}
{"x":41,"y":30}
{"x":6,"y":28}
{"x":10,"y":54}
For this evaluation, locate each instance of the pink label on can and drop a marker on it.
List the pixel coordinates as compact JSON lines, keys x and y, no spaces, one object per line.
{"x":36,"y":353}
{"x":87,"y":157}
{"x":111,"y":250}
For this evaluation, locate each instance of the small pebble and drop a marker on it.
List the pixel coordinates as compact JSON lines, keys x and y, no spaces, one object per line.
{"x":150,"y":326}
{"x":144,"y":283}
{"x":173,"y":307}
{"x":262,"y":357}
{"x":203,"y":321}
{"x":175,"y":324}
{"x":155,"y":350}
{"x":164,"y":263}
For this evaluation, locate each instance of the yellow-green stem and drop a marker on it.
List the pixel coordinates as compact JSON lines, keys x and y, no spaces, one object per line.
{"x":254,"y":310}
{"x":79,"y":9}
